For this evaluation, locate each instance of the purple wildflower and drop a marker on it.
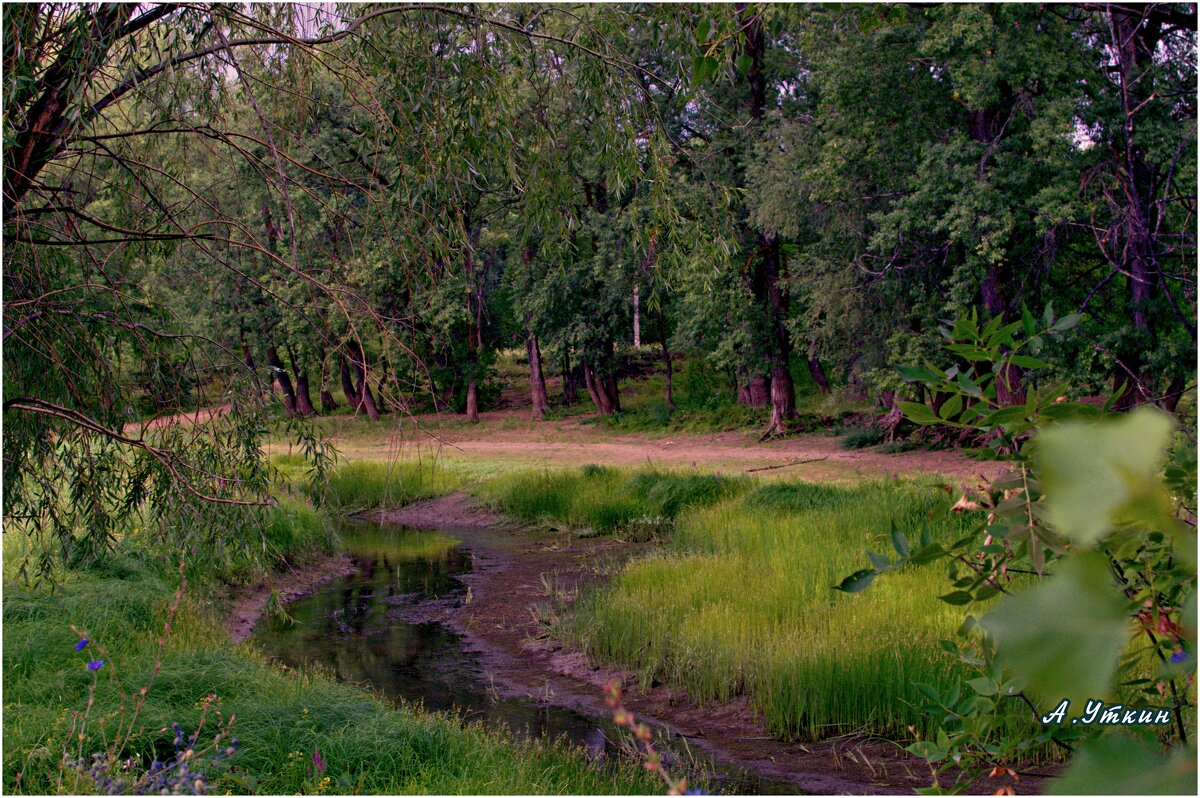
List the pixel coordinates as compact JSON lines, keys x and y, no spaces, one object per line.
{"x":1179,"y":656}
{"x":83,"y":641}
{"x":318,"y":761}
{"x":95,"y":665}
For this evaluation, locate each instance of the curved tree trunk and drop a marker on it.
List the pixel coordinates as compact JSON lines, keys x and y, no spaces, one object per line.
{"x":818,"y":374}
{"x":304,"y":405}
{"x":348,"y":390}
{"x":285,"y":383}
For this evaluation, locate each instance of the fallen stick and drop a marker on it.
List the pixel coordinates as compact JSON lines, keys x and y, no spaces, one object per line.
{"x":785,"y":465}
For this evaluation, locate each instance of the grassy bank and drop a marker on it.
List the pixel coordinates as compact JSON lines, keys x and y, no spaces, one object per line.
{"x":741,"y":601}
{"x":282,"y":716}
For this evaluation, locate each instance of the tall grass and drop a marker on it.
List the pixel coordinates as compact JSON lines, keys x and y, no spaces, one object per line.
{"x":282,"y":717}
{"x":365,"y":485}
{"x":742,"y":602}
{"x":601,"y":499}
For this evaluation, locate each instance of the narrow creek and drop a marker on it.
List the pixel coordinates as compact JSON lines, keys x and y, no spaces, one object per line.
{"x":373,"y":627}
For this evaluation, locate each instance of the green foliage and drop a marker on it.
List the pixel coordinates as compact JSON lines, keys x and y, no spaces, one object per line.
{"x":368,"y":745}
{"x":1089,"y":512}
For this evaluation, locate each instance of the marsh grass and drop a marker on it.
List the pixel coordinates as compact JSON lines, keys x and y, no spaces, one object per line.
{"x":282,"y":716}
{"x":368,"y":484}
{"x":601,"y":500}
{"x":742,"y":602}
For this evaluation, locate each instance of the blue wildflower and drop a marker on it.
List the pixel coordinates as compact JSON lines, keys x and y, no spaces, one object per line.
{"x":95,"y":665}
{"x":83,"y":641}
{"x":695,"y":792}
{"x":1179,"y":656}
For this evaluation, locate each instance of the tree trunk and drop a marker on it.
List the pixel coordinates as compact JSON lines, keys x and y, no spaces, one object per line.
{"x":818,"y":374}
{"x":285,"y":382}
{"x":362,"y":389}
{"x":364,"y":392}
{"x":783,"y":390}
{"x":599,"y":389}
{"x":1136,"y":35}
{"x":472,"y":402}
{"x":304,"y":405}
{"x":759,"y":390}
{"x":537,"y":380}
{"x":637,"y":320}
{"x":327,"y":403}
{"x":352,"y":397}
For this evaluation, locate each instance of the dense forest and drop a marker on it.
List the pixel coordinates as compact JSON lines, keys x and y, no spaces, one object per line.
{"x":275,"y":213}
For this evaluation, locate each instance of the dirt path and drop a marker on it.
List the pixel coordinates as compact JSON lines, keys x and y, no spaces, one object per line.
{"x":509,"y":583}
{"x":509,"y":435}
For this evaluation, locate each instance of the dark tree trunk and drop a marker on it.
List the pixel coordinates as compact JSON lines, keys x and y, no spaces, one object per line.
{"x":348,"y":390}
{"x":328,"y":405}
{"x":537,"y":380}
{"x":768,"y":263}
{"x":759,"y":390}
{"x":304,"y":405}
{"x":364,"y":399}
{"x":363,"y":390}
{"x":818,"y":374}
{"x":599,"y":389}
{"x":1136,"y":35}
{"x":285,"y":383}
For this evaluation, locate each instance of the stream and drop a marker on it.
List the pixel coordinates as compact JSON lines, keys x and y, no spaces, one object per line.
{"x":373,"y":627}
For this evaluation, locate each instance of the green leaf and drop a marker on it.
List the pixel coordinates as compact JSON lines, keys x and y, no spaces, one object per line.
{"x":900,"y":543}
{"x":957,"y":598}
{"x":918,"y":413}
{"x":983,"y":686}
{"x":951,"y":407}
{"x":880,"y":562}
{"x":1097,"y":475}
{"x":916,"y":374}
{"x":1065,"y":323}
{"x":927,"y":554}
{"x":1064,"y":638}
{"x":1026,"y":362}
{"x":702,"y":67}
{"x":856,"y":581}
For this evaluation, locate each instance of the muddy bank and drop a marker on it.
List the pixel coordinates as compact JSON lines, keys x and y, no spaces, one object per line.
{"x":247,"y":603}
{"x":515,"y":570}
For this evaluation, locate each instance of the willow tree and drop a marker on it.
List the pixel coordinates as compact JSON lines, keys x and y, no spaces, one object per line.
{"x":123,"y":127}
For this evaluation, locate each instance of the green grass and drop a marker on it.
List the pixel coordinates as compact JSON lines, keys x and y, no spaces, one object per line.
{"x":742,"y":602}
{"x":601,"y":499}
{"x":281,"y":716}
{"x":365,"y":485}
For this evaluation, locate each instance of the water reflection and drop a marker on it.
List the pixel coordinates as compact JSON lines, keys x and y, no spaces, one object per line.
{"x":368,"y":627}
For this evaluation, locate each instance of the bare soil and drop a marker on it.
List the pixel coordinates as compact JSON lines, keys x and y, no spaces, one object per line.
{"x":510,"y":435}
{"x":513,"y":566}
